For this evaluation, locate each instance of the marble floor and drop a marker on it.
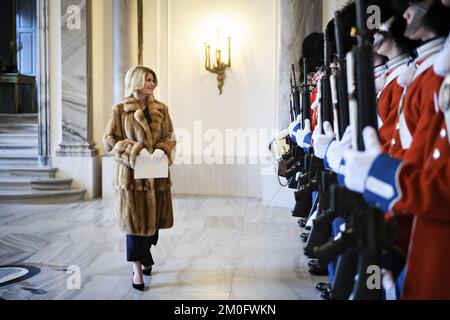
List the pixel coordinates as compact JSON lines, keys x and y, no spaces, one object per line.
{"x":219,"y":248}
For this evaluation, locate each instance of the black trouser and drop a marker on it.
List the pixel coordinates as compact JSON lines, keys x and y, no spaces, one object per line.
{"x":138,"y":248}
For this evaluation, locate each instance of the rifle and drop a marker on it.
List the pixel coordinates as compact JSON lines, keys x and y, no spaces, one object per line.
{"x":334,"y":100}
{"x":295,"y":93}
{"x":369,"y":251}
{"x":291,"y":103}
{"x":322,"y":179}
{"x":294,"y":110}
{"x":283,"y":147}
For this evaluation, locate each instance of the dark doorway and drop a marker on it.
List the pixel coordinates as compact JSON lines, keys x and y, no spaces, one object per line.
{"x":18,"y":67}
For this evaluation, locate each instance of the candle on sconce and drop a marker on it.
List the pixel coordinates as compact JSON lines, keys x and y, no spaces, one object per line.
{"x":218,"y":67}
{"x":207,"y":56}
{"x":218,"y":59}
{"x":229,"y":51}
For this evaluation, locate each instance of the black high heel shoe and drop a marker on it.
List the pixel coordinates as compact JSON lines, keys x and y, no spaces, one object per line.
{"x":139,"y":287}
{"x":147,"y":271}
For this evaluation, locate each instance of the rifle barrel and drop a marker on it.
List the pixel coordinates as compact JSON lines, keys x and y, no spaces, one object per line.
{"x":365,"y":89}
{"x":306,"y":102}
{"x":327,"y":108}
{"x":341,"y":76}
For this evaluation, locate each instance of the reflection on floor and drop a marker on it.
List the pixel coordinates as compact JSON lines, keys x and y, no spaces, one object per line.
{"x":219,"y":248}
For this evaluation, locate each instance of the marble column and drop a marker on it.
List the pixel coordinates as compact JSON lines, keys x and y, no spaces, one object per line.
{"x":298,"y":19}
{"x":126,"y":46}
{"x":77,"y":156}
{"x":76,"y":80}
{"x":127,"y":51}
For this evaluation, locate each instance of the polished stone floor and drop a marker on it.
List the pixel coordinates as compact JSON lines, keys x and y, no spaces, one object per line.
{"x":219,"y":248}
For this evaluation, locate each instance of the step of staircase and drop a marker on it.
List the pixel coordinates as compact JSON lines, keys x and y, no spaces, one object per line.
{"x":51,"y":184}
{"x":13,"y":148}
{"x":18,"y":161}
{"x":19,"y":128}
{"x":18,"y":140}
{"x":41,"y":196}
{"x":18,"y":172}
{"x":18,"y":152}
{"x":18,"y":118}
{"x":15,"y":184}
{"x":35,"y":184}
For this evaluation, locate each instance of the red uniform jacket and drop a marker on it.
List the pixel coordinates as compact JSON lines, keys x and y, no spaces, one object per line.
{"x":425,"y":189}
{"x":420,"y":94}
{"x":421,"y":189}
{"x":418,"y":187}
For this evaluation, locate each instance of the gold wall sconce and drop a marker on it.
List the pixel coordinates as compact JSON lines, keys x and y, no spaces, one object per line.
{"x":219,"y":66}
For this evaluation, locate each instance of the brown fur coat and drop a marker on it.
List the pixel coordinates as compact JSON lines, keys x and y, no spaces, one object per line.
{"x":142,"y":205}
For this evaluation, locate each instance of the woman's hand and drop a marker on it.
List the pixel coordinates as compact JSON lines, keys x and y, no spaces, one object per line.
{"x":157,"y":155}
{"x":145,"y":155}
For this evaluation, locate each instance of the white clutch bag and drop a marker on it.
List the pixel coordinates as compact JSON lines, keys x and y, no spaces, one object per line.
{"x":144,"y":170}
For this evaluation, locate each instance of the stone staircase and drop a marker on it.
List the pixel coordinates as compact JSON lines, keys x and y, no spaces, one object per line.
{"x":21,"y":180}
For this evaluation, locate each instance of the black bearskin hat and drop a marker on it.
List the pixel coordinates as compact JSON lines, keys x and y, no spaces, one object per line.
{"x":312,"y":50}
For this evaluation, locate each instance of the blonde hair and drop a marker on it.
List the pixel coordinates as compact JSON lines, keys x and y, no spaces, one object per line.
{"x":135,"y":80}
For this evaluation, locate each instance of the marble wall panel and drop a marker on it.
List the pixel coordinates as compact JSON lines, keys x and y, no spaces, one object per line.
{"x":76,"y":79}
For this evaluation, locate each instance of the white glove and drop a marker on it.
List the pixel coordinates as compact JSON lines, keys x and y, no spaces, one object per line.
{"x":145,"y":155}
{"x":301,"y":134}
{"x":336,"y":150}
{"x":358,"y":164}
{"x":157,"y":155}
{"x":322,"y":141}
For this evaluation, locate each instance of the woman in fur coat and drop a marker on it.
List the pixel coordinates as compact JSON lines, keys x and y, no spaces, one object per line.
{"x":140,"y":126}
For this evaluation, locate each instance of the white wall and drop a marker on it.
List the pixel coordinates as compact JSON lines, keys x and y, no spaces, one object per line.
{"x":248,"y":97}
{"x":101,"y":68}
